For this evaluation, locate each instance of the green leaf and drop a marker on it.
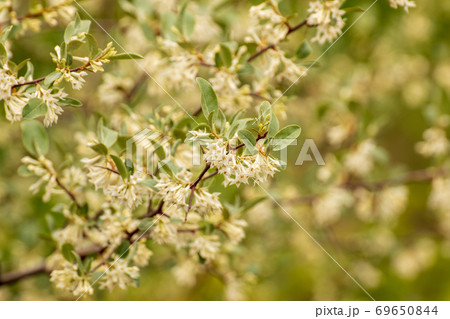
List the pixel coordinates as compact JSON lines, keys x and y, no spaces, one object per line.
{"x":126,"y":56}
{"x":208,"y":97}
{"x":220,"y":121}
{"x":123,"y":249}
{"x":105,"y":135}
{"x":35,"y":138}
{"x":92,"y":45}
{"x":304,"y":50}
{"x":248,"y":139}
{"x":186,"y":22}
{"x":66,"y":251}
{"x":121,"y":168}
{"x":3,"y":52}
{"x":252,"y":203}
{"x":80,"y":269}
{"x":68,"y":33}
{"x":100,"y":148}
{"x":52,"y":77}
{"x":168,"y":23}
{"x":68,"y":101}
{"x":34,"y":108}
{"x":168,"y":167}
{"x":225,"y":55}
{"x":150,"y":183}
{"x":285,"y":137}
{"x":273,"y":125}
{"x":352,"y":10}
{"x":5,"y":33}
{"x":130,"y":166}
{"x":146,"y":223}
{"x":264,"y":111}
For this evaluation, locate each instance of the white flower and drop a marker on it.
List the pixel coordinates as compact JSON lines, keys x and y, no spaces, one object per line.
{"x":120,"y":274}
{"x":439,"y":198}
{"x":402,"y":3}
{"x":205,"y":202}
{"x":206,"y":246}
{"x":234,"y":229}
{"x":74,"y":231}
{"x":44,"y":169}
{"x":129,"y":190}
{"x":360,"y":161}
{"x":68,"y":279}
{"x":180,"y":69}
{"x":435,"y":143}
{"x":239,"y":169}
{"x":392,"y":201}
{"x":328,"y":207}
{"x":267,"y":25}
{"x":51,"y":100}
{"x":163,"y":231}
{"x":14,"y":106}
{"x":185,"y":273}
{"x":231,"y":95}
{"x":142,"y":255}
{"x":173,"y":191}
{"x":327,"y":16}
{"x":100,"y":171}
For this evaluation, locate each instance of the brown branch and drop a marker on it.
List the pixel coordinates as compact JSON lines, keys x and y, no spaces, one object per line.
{"x":272,"y":46}
{"x":211,"y":175}
{"x":68,"y":192}
{"x":197,"y":111}
{"x":261,"y":51}
{"x":194,"y":185}
{"x":108,"y":169}
{"x":14,"y":276}
{"x":84,"y":66}
{"x":296,"y":27}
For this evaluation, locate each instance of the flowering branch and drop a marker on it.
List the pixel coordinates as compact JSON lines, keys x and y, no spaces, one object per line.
{"x":272,"y":46}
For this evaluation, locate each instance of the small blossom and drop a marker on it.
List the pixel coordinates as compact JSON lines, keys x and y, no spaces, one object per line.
{"x":327,"y":17}
{"x":406,"y":4}
{"x":68,"y":279}
{"x":120,"y":274}
{"x":206,"y":246}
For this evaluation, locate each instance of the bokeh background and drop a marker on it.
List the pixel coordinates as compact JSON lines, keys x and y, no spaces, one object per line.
{"x":387,"y":79}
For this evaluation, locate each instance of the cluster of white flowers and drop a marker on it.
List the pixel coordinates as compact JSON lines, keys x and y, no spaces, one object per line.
{"x":68,"y":279}
{"x":176,"y":191}
{"x":180,"y":69}
{"x":56,"y":10}
{"x":51,"y":99}
{"x":360,"y":161}
{"x":440,"y":194}
{"x":100,"y":171}
{"x":328,"y":207}
{"x":120,"y":274}
{"x":435,"y":143}
{"x":231,"y":95}
{"x":327,"y":17}
{"x":402,"y":3}
{"x":44,"y":169}
{"x":392,"y":201}
{"x":268,"y":26}
{"x":206,"y":246}
{"x":75,"y":76}
{"x":14,"y":103}
{"x":239,"y":169}
{"x":130,"y":191}
{"x":234,"y":228}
